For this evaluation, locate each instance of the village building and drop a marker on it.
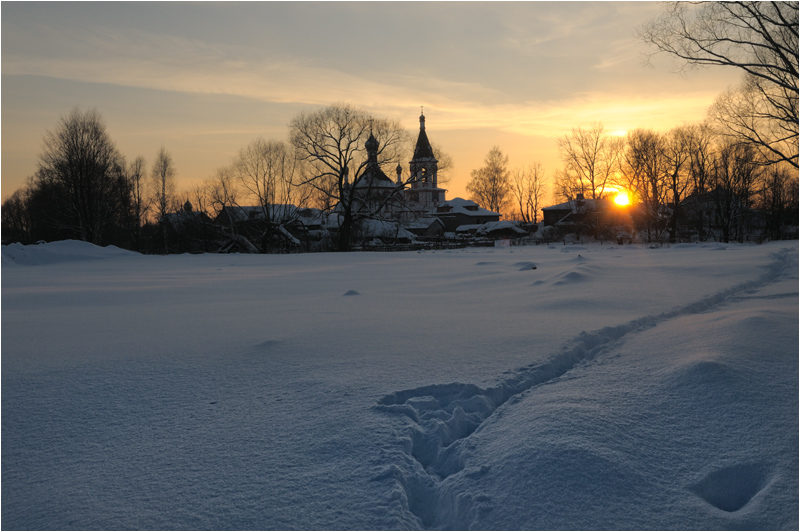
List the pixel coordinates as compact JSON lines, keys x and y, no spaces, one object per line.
{"x":459,"y":212}
{"x":374,"y":193}
{"x":576,"y":211}
{"x":423,"y":194}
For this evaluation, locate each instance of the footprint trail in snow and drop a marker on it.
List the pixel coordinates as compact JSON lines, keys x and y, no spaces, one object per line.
{"x":445,"y":415}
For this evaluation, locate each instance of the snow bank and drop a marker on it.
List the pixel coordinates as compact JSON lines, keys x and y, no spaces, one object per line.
{"x":58,"y":252}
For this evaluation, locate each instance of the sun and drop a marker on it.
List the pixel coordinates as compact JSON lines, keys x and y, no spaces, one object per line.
{"x":622,"y":199}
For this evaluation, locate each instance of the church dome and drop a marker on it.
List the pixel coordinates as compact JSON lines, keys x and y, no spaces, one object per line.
{"x":372,"y":144}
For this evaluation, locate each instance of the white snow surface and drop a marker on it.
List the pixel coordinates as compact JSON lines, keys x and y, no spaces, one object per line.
{"x":560,"y":387}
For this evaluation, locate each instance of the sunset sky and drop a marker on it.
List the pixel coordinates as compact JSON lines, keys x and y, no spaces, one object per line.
{"x":204,"y":79}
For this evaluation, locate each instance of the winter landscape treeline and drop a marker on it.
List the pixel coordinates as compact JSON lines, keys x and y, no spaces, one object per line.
{"x":732,"y":176}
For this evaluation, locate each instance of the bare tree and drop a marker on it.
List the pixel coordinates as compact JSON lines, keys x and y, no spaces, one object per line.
{"x":644,"y":170}
{"x":591,"y":158}
{"x":758,"y":38}
{"x":268,"y":170}
{"x":198,"y":195}
{"x":331,"y":143}
{"x":677,"y":180}
{"x":163,"y":189}
{"x":700,"y":138}
{"x":753,"y":113}
{"x":566,"y":186}
{"x":265,"y":169}
{"x":137,"y":175}
{"x":528,"y":189}
{"x":735,"y":175}
{"x":80,"y":158}
{"x":490,"y":185}
{"x":222,"y":190}
{"x":16,"y":222}
{"x":779,"y":200}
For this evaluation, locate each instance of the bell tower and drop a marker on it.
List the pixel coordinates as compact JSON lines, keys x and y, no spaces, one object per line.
{"x":424,"y":167}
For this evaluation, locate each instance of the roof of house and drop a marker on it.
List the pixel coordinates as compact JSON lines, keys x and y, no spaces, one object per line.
{"x":242,"y":214}
{"x":180,"y":218}
{"x":383,"y":228}
{"x":465,"y":207}
{"x":504,"y":226}
{"x":423,"y":223}
{"x":578,"y":205}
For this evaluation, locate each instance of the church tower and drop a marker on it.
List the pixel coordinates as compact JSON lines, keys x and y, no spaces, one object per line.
{"x":424,"y":190}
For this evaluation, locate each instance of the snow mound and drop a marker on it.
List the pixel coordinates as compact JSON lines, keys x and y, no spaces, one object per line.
{"x":572,"y":277}
{"x":571,"y":248}
{"x":59,"y":252}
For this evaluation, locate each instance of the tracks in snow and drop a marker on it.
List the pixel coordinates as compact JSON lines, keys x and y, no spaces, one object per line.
{"x":444,"y":415}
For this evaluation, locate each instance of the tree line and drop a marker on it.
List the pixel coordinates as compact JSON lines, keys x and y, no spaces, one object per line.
{"x":84,"y":189}
{"x":745,"y":154}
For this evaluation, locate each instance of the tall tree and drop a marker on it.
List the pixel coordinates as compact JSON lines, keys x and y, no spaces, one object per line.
{"x":331,"y":143}
{"x":490,"y":185}
{"x":644,"y":169}
{"x":736,"y":172}
{"x":677,"y":180}
{"x":591,"y":158}
{"x":163,"y":176}
{"x":16,"y":222}
{"x":779,"y":200}
{"x":528,"y":189}
{"x":222,"y":190}
{"x":700,"y":139}
{"x":266,"y":168}
{"x":137,"y":175}
{"x":80,"y":158}
{"x":758,"y":38}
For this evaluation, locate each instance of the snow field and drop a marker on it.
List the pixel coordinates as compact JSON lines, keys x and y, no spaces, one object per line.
{"x":609,"y":387}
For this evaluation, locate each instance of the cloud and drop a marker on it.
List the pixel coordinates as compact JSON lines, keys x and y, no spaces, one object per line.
{"x":134,"y":58}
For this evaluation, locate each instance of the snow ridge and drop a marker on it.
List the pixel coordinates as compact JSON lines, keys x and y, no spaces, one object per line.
{"x":443,"y":416}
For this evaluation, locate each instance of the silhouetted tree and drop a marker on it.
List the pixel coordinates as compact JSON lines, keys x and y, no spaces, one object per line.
{"x":677,"y":180}
{"x":700,"y":139}
{"x":591,"y":158}
{"x":779,"y":200}
{"x":331,"y":143}
{"x":137,"y":177}
{"x":528,"y":189}
{"x":80,"y":159}
{"x":223,"y":190}
{"x":735,"y":175}
{"x":758,"y":38}
{"x":644,"y":171}
{"x":268,"y":170}
{"x":16,"y":218}
{"x":163,"y":177}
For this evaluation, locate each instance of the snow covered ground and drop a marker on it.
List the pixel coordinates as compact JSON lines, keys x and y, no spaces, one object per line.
{"x":560,"y":387}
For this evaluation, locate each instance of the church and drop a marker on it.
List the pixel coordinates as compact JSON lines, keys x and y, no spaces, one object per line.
{"x":423,"y":194}
{"x":418,"y":199}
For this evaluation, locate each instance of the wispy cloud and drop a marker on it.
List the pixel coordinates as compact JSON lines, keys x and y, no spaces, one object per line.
{"x":138,"y":59}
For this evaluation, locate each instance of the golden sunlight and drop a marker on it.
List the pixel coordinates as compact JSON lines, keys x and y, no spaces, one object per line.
{"x":622,"y":198}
